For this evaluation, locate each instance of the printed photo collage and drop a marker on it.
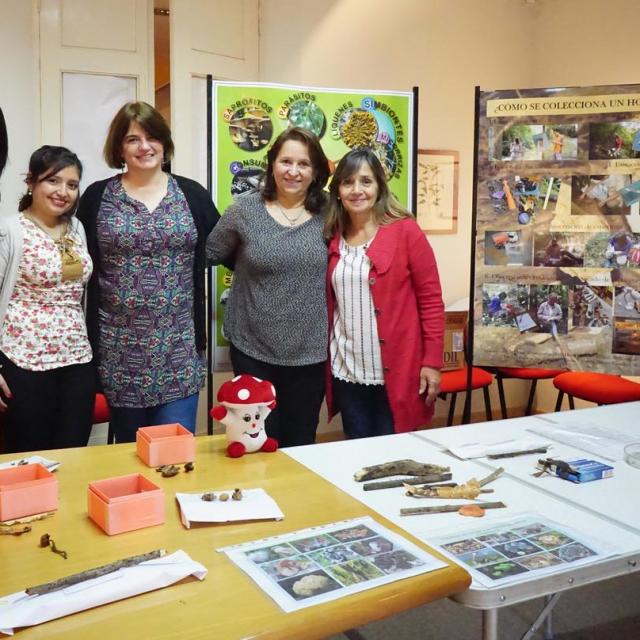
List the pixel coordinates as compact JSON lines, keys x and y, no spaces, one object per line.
{"x":311,"y":566}
{"x":510,"y":551}
{"x":517,"y":214}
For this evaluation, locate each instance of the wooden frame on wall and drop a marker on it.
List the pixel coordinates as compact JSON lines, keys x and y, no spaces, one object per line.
{"x":437,"y":191}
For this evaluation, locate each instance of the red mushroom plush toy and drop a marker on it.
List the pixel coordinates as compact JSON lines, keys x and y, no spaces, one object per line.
{"x":244,"y":404}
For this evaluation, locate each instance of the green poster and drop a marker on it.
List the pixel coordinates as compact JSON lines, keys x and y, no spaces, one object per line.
{"x":247,"y":118}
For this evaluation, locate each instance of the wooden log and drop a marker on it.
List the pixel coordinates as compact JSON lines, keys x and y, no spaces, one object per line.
{"x":448,"y":508}
{"x":90,"y":574}
{"x":390,"y":484}
{"x":398,"y":468}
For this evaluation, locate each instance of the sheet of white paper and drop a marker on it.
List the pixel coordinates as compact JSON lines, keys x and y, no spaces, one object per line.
{"x":256,"y":504}
{"x":588,"y":436}
{"x":478,"y":449}
{"x":51,"y":465}
{"x":21,"y":610}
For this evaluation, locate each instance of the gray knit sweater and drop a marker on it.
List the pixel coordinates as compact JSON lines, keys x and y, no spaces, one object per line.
{"x":277,"y":309}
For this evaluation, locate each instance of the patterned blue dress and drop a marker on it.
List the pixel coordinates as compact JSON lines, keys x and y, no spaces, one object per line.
{"x":147,"y":346}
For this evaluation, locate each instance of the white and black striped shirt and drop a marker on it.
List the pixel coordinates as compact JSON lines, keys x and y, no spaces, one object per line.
{"x":354,"y":347}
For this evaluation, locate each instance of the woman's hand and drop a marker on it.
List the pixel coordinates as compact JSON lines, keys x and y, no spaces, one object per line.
{"x":429,"y":382}
{"x":4,"y":387}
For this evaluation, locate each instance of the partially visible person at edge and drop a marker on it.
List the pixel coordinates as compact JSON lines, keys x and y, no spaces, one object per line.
{"x":4,"y":143}
{"x":146,"y":232}
{"x":47,"y":381}
{"x":275,"y":316}
{"x":385,"y":306}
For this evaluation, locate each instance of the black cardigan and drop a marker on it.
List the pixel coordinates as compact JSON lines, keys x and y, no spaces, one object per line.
{"x":205,"y":215}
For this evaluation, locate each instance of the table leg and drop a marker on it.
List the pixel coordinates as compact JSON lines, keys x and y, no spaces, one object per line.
{"x":548,"y":623}
{"x":544,"y":617}
{"x":489,"y":624}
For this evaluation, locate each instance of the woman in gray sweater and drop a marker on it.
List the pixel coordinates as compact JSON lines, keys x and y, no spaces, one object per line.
{"x":276,"y":314}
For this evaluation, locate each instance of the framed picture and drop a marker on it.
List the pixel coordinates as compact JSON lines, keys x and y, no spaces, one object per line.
{"x":437,"y":210}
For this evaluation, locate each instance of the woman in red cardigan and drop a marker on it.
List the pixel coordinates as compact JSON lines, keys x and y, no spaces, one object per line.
{"x":385,"y":306}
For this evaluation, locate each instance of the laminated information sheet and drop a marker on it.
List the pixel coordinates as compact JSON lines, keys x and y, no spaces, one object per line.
{"x":519,"y":549}
{"x":324,"y":563}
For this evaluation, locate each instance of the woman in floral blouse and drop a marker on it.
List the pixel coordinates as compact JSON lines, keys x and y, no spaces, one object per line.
{"x":47,"y":382}
{"x":146,"y":232}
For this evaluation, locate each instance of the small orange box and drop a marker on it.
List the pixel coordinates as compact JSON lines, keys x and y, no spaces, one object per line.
{"x":165,"y":444}
{"x":125,"y":503}
{"x":25,"y":490}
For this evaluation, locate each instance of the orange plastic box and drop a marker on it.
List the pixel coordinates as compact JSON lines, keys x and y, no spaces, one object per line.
{"x":26,"y":490}
{"x":165,"y":444}
{"x":125,"y":503}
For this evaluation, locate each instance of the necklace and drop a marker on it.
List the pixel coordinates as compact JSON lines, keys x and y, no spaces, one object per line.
{"x":291,"y":221}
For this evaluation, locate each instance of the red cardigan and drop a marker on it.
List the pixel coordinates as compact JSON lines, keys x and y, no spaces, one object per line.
{"x":407,"y":299}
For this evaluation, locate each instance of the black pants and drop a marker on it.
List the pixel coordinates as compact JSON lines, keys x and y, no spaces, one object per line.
{"x":47,"y":409}
{"x":299,"y":394}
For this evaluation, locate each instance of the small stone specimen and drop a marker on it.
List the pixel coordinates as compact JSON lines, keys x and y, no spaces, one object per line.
{"x":169,"y":471}
{"x":208,"y":497}
{"x":223,"y":497}
{"x":236,"y":495}
{"x":189,"y":466}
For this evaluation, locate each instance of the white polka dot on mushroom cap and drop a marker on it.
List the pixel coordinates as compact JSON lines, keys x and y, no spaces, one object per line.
{"x":243,"y":394}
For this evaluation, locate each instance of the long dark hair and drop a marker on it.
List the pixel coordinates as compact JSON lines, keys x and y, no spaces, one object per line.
{"x":45,"y":162}
{"x":315,"y":198}
{"x":386,"y":209}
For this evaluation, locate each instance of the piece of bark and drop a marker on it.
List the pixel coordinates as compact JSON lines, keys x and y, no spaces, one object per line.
{"x":468,"y":491}
{"x":90,"y":574}
{"x":398,"y":468}
{"x":24,"y":520}
{"x":491,"y":477}
{"x":448,"y":508}
{"x":391,"y":484}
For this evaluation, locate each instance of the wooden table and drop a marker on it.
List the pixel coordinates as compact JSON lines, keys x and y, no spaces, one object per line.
{"x":227,"y":604}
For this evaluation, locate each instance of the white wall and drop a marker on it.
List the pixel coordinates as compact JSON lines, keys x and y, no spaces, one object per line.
{"x":18,"y":95}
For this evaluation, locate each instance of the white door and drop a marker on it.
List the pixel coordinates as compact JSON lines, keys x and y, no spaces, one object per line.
{"x":217,"y":37}
{"x":94,"y":56}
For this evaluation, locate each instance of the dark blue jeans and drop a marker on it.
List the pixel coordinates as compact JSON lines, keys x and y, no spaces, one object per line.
{"x":364,"y":408}
{"x":126,"y":421}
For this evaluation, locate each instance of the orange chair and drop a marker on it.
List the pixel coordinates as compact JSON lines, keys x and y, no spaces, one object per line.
{"x":601,"y":388}
{"x":454,"y":382}
{"x":518,"y":373}
{"x":102,"y":413}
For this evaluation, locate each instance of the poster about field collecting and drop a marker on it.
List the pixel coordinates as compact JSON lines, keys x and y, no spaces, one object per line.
{"x":558,"y":229}
{"x":247,"y":118}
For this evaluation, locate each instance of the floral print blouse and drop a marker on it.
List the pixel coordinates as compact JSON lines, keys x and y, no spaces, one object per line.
{"x":147,"y":345}
{"x":44,"y":326}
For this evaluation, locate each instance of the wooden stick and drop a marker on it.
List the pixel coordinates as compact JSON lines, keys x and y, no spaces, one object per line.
{"x":449,"y":508}
{"x":398,"y":468}
{"x":90,"y":574}
{"x":491,"y":477}
{"x":390,"y":484}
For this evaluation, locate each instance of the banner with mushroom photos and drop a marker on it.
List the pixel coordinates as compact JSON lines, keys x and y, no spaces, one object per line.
{"x":248,"y":117}
{"x":557,"y":269}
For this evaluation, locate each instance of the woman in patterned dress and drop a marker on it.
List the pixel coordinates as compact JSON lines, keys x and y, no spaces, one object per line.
{"x":146,"y":232}
{"x":47,"y":383}
{"x":275,"y":316}
{"x":385,"y":306}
